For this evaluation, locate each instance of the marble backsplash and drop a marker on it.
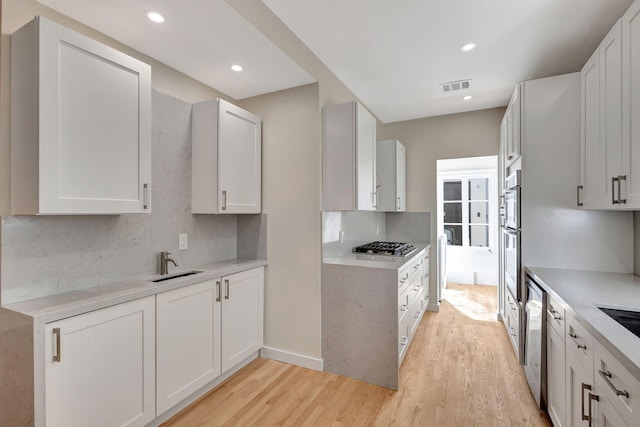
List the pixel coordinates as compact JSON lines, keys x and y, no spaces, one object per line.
{"x":363,"y":227}
{"x":46,"y":255}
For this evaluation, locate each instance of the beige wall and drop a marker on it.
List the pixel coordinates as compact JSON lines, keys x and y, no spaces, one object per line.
{"x":472,"y":134}
{"x":291,"y":156}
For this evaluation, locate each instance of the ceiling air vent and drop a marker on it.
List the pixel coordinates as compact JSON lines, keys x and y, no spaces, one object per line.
{"x":455,"y":86}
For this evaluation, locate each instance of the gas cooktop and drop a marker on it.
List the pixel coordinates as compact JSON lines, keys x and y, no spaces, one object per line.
{"x":385,"y":248}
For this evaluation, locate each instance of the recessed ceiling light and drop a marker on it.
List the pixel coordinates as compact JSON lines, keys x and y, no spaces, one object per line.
{"x":467,"y":47}
{"x":466,"y":98}
{"x":236,"y":67}
{"x":154,"y":16}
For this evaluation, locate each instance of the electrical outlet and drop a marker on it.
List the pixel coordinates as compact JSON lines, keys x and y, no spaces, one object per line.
{"x":183,"y":241}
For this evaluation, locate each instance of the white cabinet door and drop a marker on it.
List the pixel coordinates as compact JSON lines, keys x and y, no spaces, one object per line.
{"x":348,"y":158}
{"x":100,"y":367}
{"x":401,"y":177}
{"x":366,"y":159}
{"x":242,"y":314}
{"x":391,"y":171}
{"x":579,"y":381}
{"x":593,"y":182}
{"x":611,"y":112}
{"x":188,"y":341}
{"x":631,"y":103}
{"x":81,"y":125}
{"x":513,"y":126}
{"x":226,"y":159}
{"x":556,"y":377}
{"x":239,"y":160}
{"x":603,"y":413}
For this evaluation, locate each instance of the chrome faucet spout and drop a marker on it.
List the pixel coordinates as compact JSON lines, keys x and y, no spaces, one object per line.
{"x":164,"y":262}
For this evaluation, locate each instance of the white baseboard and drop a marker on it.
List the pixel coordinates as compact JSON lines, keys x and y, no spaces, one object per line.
{"x":293,"y":358}
{"x":435,"y":307}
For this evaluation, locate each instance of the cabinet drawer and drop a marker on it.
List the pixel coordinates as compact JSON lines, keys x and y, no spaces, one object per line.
{"x":620,"y":388}
{"x":579,"y":342}
{"x":555,"y":315}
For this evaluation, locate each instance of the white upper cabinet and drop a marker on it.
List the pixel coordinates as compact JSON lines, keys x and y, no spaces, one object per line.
{"x":610,"y":148}
{"x":391,"y":167}
{"x":631,"y":104}
{"x":512,"y":116}
{"x":348,"y":158}
{"x":226,"y":159}
{"x":80,"y":125}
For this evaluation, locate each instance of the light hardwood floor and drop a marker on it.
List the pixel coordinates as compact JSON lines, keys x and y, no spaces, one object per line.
{"x":459,"y":371}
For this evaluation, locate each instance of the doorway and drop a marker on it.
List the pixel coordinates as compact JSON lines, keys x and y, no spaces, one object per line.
{"x":467,"y":219}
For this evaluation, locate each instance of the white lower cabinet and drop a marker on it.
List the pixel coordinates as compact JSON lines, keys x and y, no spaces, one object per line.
{"x":556,"y":369}
{"x":223,"y":318}
{"x":186,"y":361}
{"x":579,"y":382}
{"x":242,"y":314}
{"x":100,"y":367}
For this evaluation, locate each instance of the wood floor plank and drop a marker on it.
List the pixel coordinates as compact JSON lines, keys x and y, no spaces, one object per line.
{"x":459,"y":371}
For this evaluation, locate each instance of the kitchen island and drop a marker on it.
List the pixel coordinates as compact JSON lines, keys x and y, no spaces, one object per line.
{"x":371,"y":307}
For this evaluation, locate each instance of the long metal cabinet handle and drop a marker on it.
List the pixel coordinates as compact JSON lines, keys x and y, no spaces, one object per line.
{"x":224,"y":200}
{"x":620,"y":179}
{"x":606,"y":375}
{"x":585,"y":417}
{"x":399,"y":204}
{"x":146,"y":196}
{"x":226,"y":284}
{"x":614,"y":179}
{"x":592,"y":397}
{"x":58,"y":356}
{"x":580,"y":187}
{"x":219,"y":294}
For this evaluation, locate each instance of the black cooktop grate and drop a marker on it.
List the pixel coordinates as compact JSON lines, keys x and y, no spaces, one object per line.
{"x":383,"y":248}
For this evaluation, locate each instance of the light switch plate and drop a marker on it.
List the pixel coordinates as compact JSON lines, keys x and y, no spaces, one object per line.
{"x":183,"y":241}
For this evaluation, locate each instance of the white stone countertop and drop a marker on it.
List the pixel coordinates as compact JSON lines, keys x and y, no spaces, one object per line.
{"x":375,"y":261}
{"x":581,"y":292}
{"x":56,"y":307}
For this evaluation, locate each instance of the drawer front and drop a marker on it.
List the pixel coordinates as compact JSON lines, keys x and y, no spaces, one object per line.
{"x":404,"y":334}
{"x":556,"y":316}
{"x":579,"y":342}
{"x":403,"y":302}
{"x":415,"y":310}
{"x":617,"y":384}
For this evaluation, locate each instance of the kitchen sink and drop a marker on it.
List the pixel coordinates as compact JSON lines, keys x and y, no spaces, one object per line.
{"x":627,"y":318}
{"x":175,"y":276}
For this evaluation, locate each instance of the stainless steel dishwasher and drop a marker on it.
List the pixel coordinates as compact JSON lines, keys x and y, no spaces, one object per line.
{"x":535,"y":356}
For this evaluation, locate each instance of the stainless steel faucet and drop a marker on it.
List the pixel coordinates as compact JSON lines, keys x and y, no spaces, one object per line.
{"x":164,"y":262}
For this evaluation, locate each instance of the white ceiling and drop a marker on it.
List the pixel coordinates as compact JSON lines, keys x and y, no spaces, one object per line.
{"x":392,"y":54}
{"x":199,"y":38}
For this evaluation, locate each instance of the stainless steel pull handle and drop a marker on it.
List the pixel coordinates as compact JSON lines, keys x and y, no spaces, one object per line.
{"x":614,"y":179}
{"x":224,"y":200}
{"x":226,"y":284}
{"x":606,"y":375}
{"x":580,"y":187}
{"x":572,"y":335}
{"x":145,"y":203}
{"x":417,"y":315}
{"x":399,"y":204}
{"x":620,"y":179}
{"x":404,"y":340}
{"x":592,"y":397}
{"x":509,"y":157}
{"x":219,"y":293}
{"x":582,"y":346}
{"x":404,"y":307}
{"x":58,"y":355}
{"x":585,"y":417}
{"x":554,"y":314}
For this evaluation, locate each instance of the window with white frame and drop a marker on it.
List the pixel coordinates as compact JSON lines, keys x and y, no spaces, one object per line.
{"x":466,"y":205}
